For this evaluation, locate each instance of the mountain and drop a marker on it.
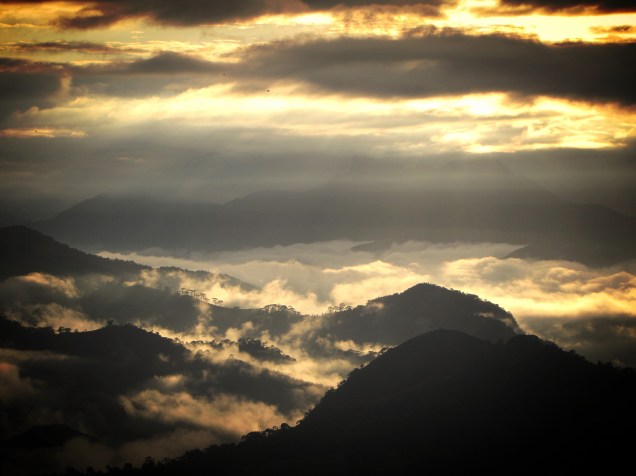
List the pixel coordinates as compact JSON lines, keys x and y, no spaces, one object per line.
{"x":124,"y":385}
{"x":24,"y":251}
{"x":422,"y":308}
{"x":388,"y":320}
{"x":459,"y":201}
{"x":445,"y":402}
{"x":446,"y":399}
{"x":124,"y":292}
{"x":133,"y":223}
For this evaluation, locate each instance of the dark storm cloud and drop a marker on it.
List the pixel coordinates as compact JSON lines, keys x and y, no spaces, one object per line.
{"x":70,"y":46}
{"x":26,"y":88}
{"x":452,"y":63}
{"x":24,"y":84}
{"x":196,"y":12}
{"x":607,"y":6}
{"x":166,"y":73}
{"x":621,"y":29}
{"x":446,"y":63}
{"x":167,"y":62}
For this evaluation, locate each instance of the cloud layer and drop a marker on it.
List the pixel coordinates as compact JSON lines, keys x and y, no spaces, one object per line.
{"x":419,"y":65}
{"x":103,"y":13}
{"x":574,"y":6}
{"x":311,"y":277}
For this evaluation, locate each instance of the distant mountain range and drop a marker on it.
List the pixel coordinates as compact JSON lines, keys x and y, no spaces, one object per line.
{"x":461,"y":201}
{"x":447,"y":403}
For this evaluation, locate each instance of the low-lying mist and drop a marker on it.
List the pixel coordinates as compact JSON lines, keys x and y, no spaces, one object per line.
{"x":554,"y":299}
{"x":312,"y":277}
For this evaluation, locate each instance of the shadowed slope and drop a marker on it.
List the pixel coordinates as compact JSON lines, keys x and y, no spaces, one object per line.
{"x":24,"y":251}
{"x":447,"y":402}
{"x":422,"y":308}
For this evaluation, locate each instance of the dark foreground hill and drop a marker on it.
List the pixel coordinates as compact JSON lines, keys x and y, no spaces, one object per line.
{"x":447,"y":403}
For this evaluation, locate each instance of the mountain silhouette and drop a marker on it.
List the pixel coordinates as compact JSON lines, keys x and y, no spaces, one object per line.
{"x":446,"y":402}
{"x":83,"y":380}
{"x":422,"y":308}
{"x":451,"y":400}
{"x":388,"y":320}
{"x":24,"y":251}
{"x":460,"y":201}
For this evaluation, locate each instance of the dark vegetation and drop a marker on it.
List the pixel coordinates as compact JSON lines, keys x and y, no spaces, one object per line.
{"x":422,"y":308}
{"x":479,"y":396}
{"x":78,"y":378}
{"x":389,"y":320}
{"x":445,"y":402}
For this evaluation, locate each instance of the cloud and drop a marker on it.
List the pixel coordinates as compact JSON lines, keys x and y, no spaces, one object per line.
{"x":585,"y":309}
{"x":53,"y":315}
{"x":450,"y":63}
{"x":46,"y":132}
{"x":173,"y":125}
{"x":64,"y":285}
{"x":312,"y":277}
{"x":608,"y":338}
{"x":21,"y":90}
{"x":445,"y":62}
{"x":574,"y":6}
{"x":223,"y":413}
{"x":154,"y":396}
{"x":545,"y":288}
{"x":103,"y":13}
{"x":12,"y":385}
{"x":170,"y":63}
{"x":614,"y":30}
{"x":70,"y":46}
{"x":323,"y":274}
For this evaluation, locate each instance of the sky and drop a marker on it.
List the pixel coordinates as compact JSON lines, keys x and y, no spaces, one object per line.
{"x":211,"y":100}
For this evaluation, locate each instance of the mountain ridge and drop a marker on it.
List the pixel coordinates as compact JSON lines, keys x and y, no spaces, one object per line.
{"x":24,"y":250}
{"x":450,"y":203}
